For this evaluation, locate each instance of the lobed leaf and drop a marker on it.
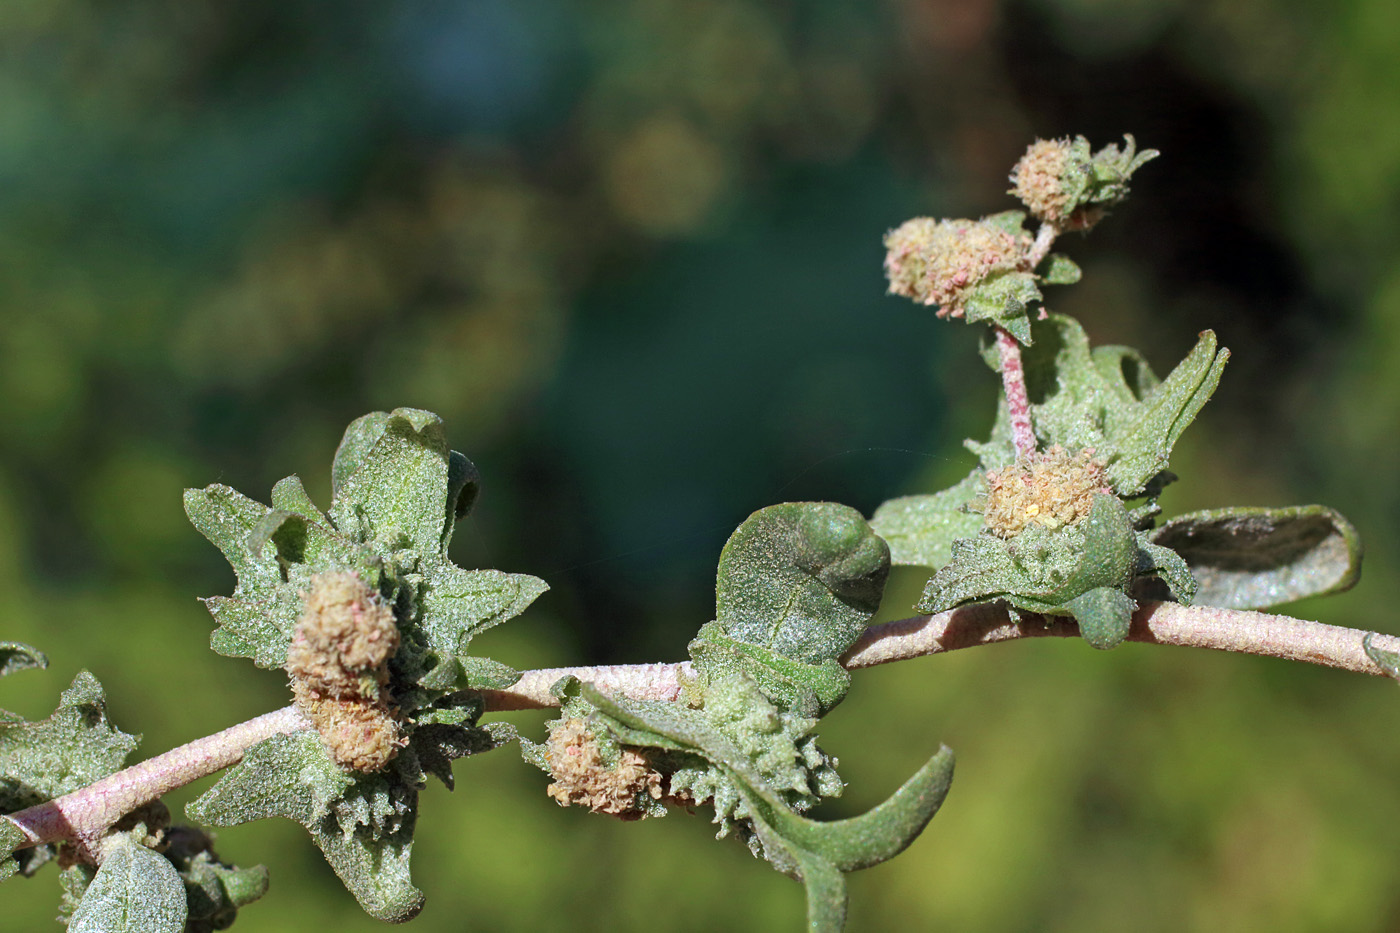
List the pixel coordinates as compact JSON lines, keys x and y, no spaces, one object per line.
{"x":1005,"y":299}
{"x":1108,"y":399}
{"x":363,"y":824}
{"x":1045,"y":571}
{"x":457,"y":604}
{"x":817,"y":853}
{"x":71,"y":749}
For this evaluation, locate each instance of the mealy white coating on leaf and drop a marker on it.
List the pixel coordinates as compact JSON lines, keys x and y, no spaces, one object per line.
{"x":135,"y":891}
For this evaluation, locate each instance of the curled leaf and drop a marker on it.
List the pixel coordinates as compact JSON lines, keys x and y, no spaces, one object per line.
{"x":1251,"y":558}
{"x":797,"y":585}
{"x":815,"y":852}
{"x":16,"y":656}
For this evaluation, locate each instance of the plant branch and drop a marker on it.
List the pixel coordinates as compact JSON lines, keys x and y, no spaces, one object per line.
{"x":1013,"y":372}
{"x":1018,"y":402}
{"x":1235,"y":630}
{"x":1040,"y":248}
{"x":637,"y":681}
{"x":85,"y":814}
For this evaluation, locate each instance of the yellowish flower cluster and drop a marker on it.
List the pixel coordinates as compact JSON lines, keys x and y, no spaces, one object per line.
{"x":1053,"y":488}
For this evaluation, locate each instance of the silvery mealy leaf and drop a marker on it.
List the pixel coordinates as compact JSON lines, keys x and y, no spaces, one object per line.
{"x":1252,"y":558}
{"x":362,"y":823}
{"x":136,"y":890}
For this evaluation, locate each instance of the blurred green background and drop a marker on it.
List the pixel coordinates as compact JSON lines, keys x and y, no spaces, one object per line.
{"x":630,"y":250}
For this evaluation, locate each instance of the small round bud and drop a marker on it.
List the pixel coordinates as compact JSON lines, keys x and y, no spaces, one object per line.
{"x":938,"y":262}
{"x":582,"y":774}
{"x":1052,"y":489}
{"x":1038,"y":178}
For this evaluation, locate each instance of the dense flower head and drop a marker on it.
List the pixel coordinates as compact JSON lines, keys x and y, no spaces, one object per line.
{"x":338,"y":664}
{"x":936,"y":262}
{"x":583,"y":774}
{"x":1038,"y":179}
{"x":1053,"y":488}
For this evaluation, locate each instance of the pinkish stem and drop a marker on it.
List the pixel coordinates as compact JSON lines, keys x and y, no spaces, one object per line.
{"x":1018,"y":403}
{"x":85,"y":814}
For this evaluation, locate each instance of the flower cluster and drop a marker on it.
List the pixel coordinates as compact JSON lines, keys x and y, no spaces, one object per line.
{"x":338,"y":662}
{"x":1052,"y":488}
{"x":583,"y":773}
{"x":937,"y":262}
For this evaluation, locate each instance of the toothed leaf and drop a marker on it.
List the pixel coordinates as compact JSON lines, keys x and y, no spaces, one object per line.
{"x":71,"y":749}
{"x":362,"y":823}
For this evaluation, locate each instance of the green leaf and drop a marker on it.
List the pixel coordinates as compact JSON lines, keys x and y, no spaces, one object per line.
{"x":1012,"y":222}
{"x":289,"y":495}
{"x":363,"y":824}
{"x":1004,"y":299}
{"x":1109,"y":400}
{"x":393,"y":490}
{"x":1040,"y":570}
{"x":801,"y":579}
{"x":920,"y":530}
{"x":17,"y":656}
{"x":1104,"y":615}
{"x":814,"y":689}
{"x":1169,"y":567}
{"x":214,"y":891}
{"x":796,"y":586}
{"x":1059,"y":269}
{"x":1143,"y":448}
{"x":1101,"y":177}
{"x":1251,"y":558}
{"x":74,"y":747}
{"x":814,"y":852}
{"x":11,"y":838}
{"x":360,"y":436}
{"x":458,"y":604}
{"x":463,"y":486}
{"x":227,"y":518}
{"x":1388,"y":661}
{"x":486,"y":674}
{"x":135,"y":890}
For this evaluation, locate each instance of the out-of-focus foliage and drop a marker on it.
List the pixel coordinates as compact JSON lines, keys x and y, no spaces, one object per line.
{"x":630,"y":250}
